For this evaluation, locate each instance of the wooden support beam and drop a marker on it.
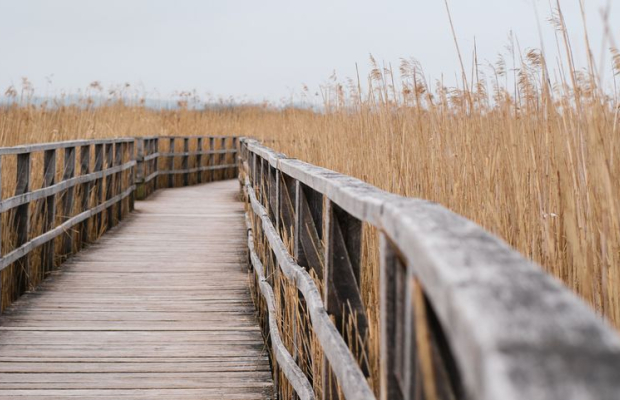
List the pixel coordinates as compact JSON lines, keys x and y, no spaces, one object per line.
{"x":310,"y":247}
{"x":118,"y":180}
{"x":132,"y":174}
{"x":341,"y":291}
{"x":212,"y":157}
{"x":392,"y":299}
{"x":85,"y":188}
{"x":155,"y":163}
{"x":235,"y":157}
{"x":185,"y":161}
{"x":49,"y":220}
{"x":199,"y":148}
{"x":99,"y":158}
{"x":286,"y":203}
{"x":222,"y":158}
{"x":21,"y":224}
{"x":109,"y":185}
{"x":171,"y":163}
{"x":68,"y":200}
{"x":343,"y":239}
{"x":142,"y":170}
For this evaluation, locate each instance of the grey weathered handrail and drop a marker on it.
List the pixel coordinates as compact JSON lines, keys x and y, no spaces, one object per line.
{"x":511,"y":330}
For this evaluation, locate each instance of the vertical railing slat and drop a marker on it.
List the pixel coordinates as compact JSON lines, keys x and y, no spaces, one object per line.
{"x":118,"y":180}
{"x":132,"y":174}
{"x":199,"y":159}
{"x":185,"y":161}
{"x":98,"y":221}
{"x":49,"y":178}
{"x":211,"y":158}
{"x":109,"y":184}
{"x":171,"y":163}
{"x":22,"y":222}
{"x":84,"y":170}
{"x":155,"y":163}
{"x":68,"y":200}
{"x":141,"y":167}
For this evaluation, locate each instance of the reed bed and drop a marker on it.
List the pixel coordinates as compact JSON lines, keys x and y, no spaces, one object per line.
{"x":528,"y":152}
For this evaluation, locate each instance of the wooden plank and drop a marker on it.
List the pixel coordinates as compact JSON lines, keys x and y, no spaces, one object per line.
{"x":159,"y":307}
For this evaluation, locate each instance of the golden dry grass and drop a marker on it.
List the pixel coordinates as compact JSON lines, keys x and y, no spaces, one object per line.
{"x":535,"y":163}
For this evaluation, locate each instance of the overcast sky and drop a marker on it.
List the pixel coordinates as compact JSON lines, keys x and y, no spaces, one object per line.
{"x":262,"y":49}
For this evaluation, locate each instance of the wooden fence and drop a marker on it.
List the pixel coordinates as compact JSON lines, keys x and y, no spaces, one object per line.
{"x":462,"y":315}
{"x":56,"y":197}
{"x":173,"y":161}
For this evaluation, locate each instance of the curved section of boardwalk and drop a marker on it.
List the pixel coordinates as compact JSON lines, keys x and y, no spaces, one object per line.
{"x":158,"y":308}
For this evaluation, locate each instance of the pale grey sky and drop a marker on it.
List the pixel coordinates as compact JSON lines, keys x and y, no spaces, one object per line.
{"x":262,"y":49}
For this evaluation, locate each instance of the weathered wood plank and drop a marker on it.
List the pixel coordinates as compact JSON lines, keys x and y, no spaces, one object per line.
{"x":159,"y":307}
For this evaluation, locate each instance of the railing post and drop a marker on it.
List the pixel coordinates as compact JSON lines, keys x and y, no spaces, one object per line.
{"x":155,"y":165}
{"x":141,"y":170}
{"x":392,"y":280}
{"x":109,"y":184}
{"x":185,"y":161}
{"x":298,"y":252}
{"x":49,"y":179}
{"x":235,"y":156}
{"x":222,"y":159}
{"x":22,"y":221}
{"x":341,"y":289}
{"x":84,"y":170}
{"x":199,"y":159}
{"x":67,"y":204}
{"x":212,"y":158}
{"x":132,"y":174}
{"x":171,"y":163}
{"x":98,"y":189}
{"x":118,"y":180}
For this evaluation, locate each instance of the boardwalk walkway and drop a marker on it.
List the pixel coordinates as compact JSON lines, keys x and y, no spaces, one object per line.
{"x":158,"y":308}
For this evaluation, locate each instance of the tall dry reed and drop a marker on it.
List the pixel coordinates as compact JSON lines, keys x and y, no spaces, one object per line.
{"x":534,"y":162}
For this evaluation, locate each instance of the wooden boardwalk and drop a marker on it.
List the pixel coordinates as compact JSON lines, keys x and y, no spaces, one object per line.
{"x":159,"y":307}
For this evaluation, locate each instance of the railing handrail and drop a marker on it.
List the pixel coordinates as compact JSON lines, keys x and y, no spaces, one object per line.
{"x":515,"y":332}
{"x":36,"y":147}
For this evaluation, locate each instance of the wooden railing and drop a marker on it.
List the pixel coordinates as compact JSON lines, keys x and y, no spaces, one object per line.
{"x":462,"y":315}
{"x":172,"y":161}
{"x":66,"y":194}
{"x":52,"y":199}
